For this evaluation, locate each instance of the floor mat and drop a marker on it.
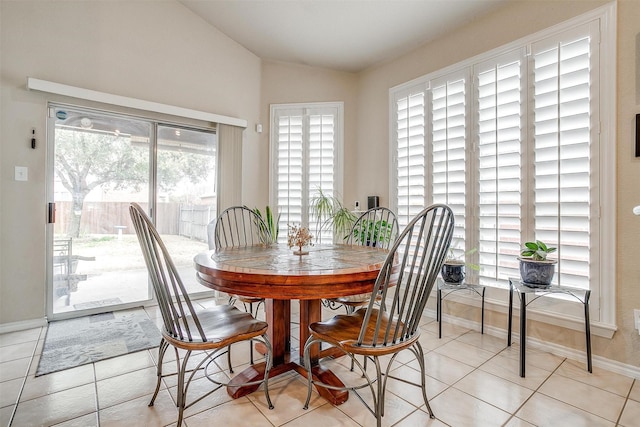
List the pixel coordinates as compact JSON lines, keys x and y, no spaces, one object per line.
{"x":88,"y":339}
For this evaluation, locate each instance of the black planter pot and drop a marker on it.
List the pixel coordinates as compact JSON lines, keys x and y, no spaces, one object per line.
{"x":452,"y":272}
{"x":537,"y":273}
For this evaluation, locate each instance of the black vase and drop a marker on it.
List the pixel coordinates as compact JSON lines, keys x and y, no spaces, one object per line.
{"x":452,"y":273}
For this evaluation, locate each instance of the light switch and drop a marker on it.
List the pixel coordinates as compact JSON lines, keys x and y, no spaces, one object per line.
{"x":22,"y":173}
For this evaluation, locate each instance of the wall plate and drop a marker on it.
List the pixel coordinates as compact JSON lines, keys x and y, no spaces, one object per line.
{"x":22,"y":173}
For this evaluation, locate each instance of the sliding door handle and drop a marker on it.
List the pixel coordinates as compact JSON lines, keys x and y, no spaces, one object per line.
{"x":51,"y":213}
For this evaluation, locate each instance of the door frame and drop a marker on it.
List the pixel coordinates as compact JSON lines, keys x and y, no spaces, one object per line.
{"x":49,"y":194}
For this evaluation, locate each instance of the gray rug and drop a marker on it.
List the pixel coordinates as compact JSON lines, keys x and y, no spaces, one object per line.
{"x":88,"y":339}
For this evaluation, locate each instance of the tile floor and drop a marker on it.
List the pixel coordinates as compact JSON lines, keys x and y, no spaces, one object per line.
{"x":472,"y":380}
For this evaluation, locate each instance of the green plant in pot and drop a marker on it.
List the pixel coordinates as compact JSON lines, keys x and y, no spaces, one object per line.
{"x":332,"y":215}
{"x":453,"y":268}
{"x":271,"y":224}
{"x":535,"y":269}
{"x":372,"y":232}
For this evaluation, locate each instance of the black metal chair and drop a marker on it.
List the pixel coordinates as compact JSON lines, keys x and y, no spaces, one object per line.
{"x":211,"y":330}
{"x":239,"y":226}
{"x":404,"y":284}
{"x":376,"y":227}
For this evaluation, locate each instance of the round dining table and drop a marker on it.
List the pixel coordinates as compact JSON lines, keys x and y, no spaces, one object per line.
{"x":274,"y":273}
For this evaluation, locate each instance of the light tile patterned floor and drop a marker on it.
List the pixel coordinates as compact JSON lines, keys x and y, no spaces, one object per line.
{"x":472,"y":380}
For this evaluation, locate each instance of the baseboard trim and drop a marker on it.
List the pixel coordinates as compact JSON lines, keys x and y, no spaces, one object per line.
{"x":22,"y":325}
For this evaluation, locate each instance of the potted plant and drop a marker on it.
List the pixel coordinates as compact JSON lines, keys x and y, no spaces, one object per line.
{"x":271,"y":224}
{"x":371,"y":232}
{"x":535,"y":269}
{"x":331,"y":214}
{"x":453,"y":268}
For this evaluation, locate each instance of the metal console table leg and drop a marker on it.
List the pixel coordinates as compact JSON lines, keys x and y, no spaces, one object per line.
{"x":523,"y":290}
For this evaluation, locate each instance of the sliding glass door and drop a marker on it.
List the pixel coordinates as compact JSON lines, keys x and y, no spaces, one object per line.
{"x":99,"y":164}
{"x":186,"y":195}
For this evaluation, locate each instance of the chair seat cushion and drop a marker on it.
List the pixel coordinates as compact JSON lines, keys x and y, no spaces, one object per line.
{"x":222,"y":325}
{"x":343,"y":330}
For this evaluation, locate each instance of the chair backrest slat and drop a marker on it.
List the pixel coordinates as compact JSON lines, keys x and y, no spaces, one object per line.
{"x":239,"y":226}
{"x":407,"y":276}
{"x":178,"y":314}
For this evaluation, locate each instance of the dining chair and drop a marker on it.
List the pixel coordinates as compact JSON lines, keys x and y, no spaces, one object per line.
{"x":188,"y":329}
{"x":377,"y":227}
{"x":404,"y":282}
{"x":239,"y":226}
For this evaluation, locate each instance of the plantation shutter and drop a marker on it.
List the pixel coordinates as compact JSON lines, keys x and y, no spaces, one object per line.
{"x":410,"y":154}
{"x":289,"y":176}
{"x":321,"y":158}
{"x":564,"y":198}
{"x":499,"y":135}
{"x":306,"y":147}
{"x":512,"y":141}
{"x":448,"y":150}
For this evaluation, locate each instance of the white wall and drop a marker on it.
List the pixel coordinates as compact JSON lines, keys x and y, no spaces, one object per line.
{"x":157,"y":51}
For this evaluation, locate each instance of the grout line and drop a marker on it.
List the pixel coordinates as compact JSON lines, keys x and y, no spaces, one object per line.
{"x":24,"y":380}
{"x":477,"y":368}
{"x":583,"y":383}
{"x":95,"y":387}
{"x":625,"y":402}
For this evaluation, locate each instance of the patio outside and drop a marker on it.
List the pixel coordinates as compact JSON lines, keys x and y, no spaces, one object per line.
{"x":118,"y":274}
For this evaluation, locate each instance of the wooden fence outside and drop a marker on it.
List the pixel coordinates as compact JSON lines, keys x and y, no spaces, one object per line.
{"x":104,"y":218}
{"x":194,"y":219}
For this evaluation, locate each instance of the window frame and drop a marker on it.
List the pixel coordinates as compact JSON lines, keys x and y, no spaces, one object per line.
{"x":605,"y":315}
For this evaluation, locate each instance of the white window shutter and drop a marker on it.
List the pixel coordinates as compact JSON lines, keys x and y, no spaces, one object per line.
{"x":289,"y":167}
{"x":448,"y":150}
{"x":410,"y":154}
{"x":563,"y":130}
{"x":499,"y":121}
{"x":321,"y":165}
{"x":306,"y":149}
{"x":518,"y":142}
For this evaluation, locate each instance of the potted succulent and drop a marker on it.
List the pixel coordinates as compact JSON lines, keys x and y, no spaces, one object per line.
{"x":535,"y":269}
{"x":453,"y":268}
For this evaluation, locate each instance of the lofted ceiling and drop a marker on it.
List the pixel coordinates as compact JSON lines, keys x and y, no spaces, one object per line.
{"x":346,"y":35}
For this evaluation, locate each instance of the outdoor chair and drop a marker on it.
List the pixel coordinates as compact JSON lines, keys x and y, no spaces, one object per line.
{"x":404,"y":284}
{"x":65,"y":265}
{"x":185,"y":328}
{"x":239,"y":226}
